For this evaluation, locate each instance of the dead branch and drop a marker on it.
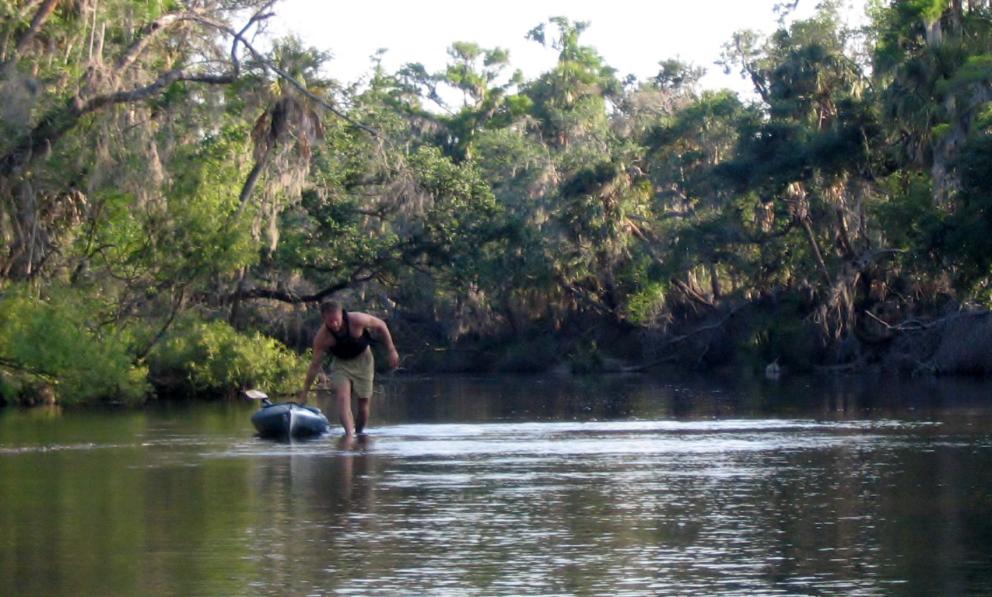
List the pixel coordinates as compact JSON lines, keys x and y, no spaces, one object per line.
{"x":288,"y":296}
{"x":691,"y":294}
{"x":587,"y":298}
{"x":915,"y":325}
{"x":839,"y":368}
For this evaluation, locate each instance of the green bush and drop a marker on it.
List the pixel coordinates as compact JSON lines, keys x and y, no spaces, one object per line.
{"x":54,"y":342}
{"x":644,"y":305}
{"x":212,"y":359}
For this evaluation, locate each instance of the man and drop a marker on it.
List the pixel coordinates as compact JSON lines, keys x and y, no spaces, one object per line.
{"x":347,"y":335}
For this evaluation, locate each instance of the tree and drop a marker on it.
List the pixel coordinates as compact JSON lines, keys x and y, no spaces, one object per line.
{"x":813,"y":161}
{"x":932,"y":62}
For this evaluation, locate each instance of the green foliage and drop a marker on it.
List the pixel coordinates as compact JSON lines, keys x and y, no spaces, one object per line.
{"x":929,"y":10}
{"x":511,"y":161}
{"x":58,"y":341}
{"x":676,"y":75}
{"x":645,"y":303}
{"x":975,"y":70}
{"x":966,"y":236}
{"x":907,"y":214}
{"x":570,"y":100}
{"x":202,"y":227}
{"x":531,"y":208}
{"x":213,"y":359}
{"x":586,"y":358}
{"x":182,"y":241}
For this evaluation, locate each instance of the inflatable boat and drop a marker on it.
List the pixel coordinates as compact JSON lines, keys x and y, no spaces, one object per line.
{"x":289,"y":420}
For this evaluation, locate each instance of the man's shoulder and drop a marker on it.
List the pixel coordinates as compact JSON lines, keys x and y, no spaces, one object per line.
{"x":359,"y":317}
{"x":360,"y":322}
{"x":322,"y":338}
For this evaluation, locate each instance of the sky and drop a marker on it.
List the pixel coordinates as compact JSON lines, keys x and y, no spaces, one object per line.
{"x":632,"y":36}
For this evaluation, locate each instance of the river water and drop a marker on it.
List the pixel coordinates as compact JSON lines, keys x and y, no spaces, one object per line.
{"x":515,"y":486}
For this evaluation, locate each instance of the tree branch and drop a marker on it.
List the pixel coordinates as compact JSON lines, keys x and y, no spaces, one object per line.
{"x":176,"y":304}
{"x":146,"y":35}
{"x":44,"y":11}
{"x":12,"y":365}
{"x":260,"y":58}
{"x":915,"y":325}
{"x":288,"y":296}
{"x":61,"y":120}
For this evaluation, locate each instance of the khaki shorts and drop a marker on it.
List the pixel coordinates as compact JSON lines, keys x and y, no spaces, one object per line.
{"x":359,"y":371}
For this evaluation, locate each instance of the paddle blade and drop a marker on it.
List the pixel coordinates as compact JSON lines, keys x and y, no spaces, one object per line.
{"x":256,"y":395}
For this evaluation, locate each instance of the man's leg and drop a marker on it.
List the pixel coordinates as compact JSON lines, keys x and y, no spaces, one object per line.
{"x":343,"y":396}
{"x":362,"y":388}
{"x":362,"y":416}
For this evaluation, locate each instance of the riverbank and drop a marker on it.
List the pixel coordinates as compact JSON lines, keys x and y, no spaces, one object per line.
{"x":757,"y":337}
{"x":210,"y":361}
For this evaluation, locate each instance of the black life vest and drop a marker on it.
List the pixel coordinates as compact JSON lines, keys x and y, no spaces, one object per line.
{"x":345,"y":345}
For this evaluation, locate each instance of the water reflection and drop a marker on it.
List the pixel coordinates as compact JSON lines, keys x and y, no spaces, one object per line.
{"x":480,"y":487}
{"x":315,"y":492}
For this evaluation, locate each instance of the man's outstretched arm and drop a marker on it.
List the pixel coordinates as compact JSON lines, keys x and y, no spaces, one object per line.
{"x":312,"y":371}
{"x":381,"y":331}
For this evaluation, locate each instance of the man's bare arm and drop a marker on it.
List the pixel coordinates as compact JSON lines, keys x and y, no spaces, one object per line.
{"x":312,"y":371}
{"x":379,"y":329}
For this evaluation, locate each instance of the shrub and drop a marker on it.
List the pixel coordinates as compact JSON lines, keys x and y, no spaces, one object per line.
{"x":212,"y":359}
{"x":55,"y":342}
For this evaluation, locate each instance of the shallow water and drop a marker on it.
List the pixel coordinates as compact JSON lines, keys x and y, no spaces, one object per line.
{"x":619,"y":485}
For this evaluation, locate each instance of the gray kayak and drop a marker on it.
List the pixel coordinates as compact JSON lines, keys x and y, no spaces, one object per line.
{"x":289,"y":420}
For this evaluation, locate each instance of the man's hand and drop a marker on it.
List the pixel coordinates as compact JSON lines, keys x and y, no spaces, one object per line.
{"x":313,"y":370}
{"x":394,"y":358}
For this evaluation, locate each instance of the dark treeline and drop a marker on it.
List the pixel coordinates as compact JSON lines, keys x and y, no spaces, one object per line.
{"x":177,"y":198}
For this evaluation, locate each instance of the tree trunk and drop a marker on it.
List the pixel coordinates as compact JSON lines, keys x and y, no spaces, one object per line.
{"x":935,"y":34}
{"x":715,"y":281}
{"x":251,"y":182}
{"x":946,"y":181}
{"x":243,"y":199}
{"x":815,"y":247}
{"x":957,"y":17}
{"x":239,"y":288}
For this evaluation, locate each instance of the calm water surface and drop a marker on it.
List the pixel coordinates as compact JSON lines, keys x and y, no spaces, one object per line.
{"x":600,"y":486}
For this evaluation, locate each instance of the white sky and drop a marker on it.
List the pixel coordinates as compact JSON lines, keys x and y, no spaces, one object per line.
{"x":631,"y":35}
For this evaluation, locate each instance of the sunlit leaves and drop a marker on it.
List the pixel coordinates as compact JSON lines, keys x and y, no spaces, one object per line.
{"x":58,"y":341}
